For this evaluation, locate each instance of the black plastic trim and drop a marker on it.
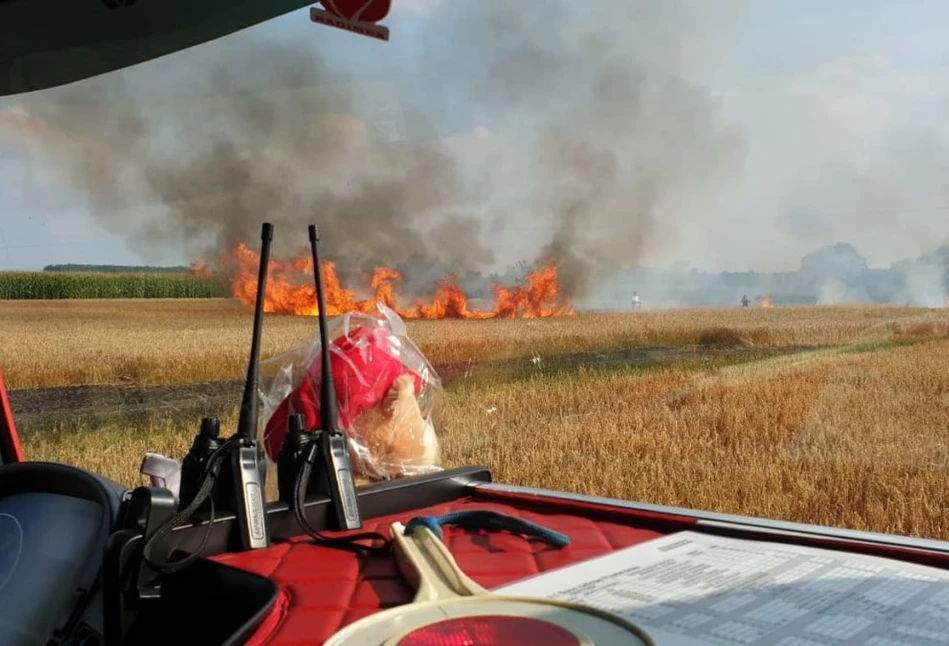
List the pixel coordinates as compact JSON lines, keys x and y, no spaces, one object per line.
{"x":120,"y":568}
{"x":253,"y":621}
{"x":378,"y":499}
{"x":206,"y":603}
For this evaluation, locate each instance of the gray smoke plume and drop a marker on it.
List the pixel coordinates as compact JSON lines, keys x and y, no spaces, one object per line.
{"x":216,"y":172}
{"x":832,"y":275}
{"x":596,"y":102}
{"x":621,"y":128}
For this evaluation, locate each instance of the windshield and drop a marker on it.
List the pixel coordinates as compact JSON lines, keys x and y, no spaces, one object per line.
{"x":685,"y":253}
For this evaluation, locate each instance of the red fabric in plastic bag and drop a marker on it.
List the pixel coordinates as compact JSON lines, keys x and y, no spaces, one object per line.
{"x":364,"y":366}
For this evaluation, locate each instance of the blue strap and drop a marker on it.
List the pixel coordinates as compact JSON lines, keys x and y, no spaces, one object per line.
{"x":488,"y":520}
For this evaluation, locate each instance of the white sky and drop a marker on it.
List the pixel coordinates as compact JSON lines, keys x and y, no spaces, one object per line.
{"x":841,"y":107}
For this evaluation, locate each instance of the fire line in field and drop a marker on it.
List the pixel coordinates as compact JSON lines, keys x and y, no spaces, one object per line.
{"x":290,"y":290}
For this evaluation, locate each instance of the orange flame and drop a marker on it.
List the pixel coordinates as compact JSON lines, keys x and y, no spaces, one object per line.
{"x":290,"y":290}
{"x":766,"y":301}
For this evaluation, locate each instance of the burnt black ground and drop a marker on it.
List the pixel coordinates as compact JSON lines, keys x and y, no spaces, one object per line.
{"x":34,"y":409}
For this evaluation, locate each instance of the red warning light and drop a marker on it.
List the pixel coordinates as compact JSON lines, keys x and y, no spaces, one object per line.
{"x":357,"y":16}
{"x":490,"y":630}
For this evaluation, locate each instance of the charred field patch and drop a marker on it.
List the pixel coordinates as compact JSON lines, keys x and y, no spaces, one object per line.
{"x":97,"y":404}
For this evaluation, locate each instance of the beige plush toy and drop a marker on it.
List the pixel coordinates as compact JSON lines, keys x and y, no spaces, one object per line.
{"x":394,"y":438}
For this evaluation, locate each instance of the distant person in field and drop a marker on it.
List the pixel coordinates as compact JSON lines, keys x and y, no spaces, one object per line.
{"x":744,"y":301}
{"x":636,"y":301}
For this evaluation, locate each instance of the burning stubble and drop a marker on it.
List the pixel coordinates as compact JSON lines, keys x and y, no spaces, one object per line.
{"x":595,"y":103}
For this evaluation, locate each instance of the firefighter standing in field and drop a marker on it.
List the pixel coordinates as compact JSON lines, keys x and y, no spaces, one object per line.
{"x":744,"y":301}
{"x":636,"y":302}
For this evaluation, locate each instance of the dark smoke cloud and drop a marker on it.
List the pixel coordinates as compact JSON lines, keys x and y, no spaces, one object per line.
{"x":597,"y":102}
{"x":222,"y":163}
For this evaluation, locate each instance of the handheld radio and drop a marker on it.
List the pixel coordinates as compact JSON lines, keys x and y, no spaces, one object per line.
{"x":228,"y":473}
{"x":333,"y":449}
{"x":292,"y":450}
{"x":248,"y":463}
{"x":195,"y":463}
{"x":318,"y":461}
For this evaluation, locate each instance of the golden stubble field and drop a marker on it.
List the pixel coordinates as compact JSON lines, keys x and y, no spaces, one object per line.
{"x":155,"y":342}
{"x":853,"y":432}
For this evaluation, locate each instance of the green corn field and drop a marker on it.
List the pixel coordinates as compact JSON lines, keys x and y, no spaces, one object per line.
{"x":55,"y":285}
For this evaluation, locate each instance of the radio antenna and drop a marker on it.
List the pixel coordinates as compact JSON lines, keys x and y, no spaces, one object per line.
{"x":329,"y":417}
{"x":248,"y":465}
{"x":247,"y":422}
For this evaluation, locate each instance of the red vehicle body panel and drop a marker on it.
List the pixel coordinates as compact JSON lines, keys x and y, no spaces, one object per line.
{"x":10,"y":448}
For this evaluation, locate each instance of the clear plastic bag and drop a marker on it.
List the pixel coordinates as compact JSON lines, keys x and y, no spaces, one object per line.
{"x":386,"y":391}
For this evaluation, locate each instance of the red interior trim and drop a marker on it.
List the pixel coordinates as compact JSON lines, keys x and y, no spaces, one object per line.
{"x":272,"y":621}
{"x":638,"y":516}
{"x":9,"y":440}
{"x":329,"y":589}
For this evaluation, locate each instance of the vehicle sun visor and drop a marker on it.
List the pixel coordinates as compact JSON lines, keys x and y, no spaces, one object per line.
{"x":47,"y":43}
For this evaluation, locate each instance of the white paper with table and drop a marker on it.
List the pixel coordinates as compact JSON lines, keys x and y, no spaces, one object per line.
{"x":690,"y":588}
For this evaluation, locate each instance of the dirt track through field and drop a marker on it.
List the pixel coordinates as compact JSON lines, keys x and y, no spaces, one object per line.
{"x":35,"y":409}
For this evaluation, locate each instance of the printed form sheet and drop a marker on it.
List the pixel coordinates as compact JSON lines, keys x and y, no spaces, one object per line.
{"x":690,"y":588}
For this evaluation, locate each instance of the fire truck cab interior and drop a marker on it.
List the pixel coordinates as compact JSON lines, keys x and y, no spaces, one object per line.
{"x":72,"y":569}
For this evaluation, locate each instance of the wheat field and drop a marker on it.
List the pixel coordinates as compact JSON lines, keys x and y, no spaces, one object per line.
{"x":853,"y":431}
{"x":158,"y":342}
